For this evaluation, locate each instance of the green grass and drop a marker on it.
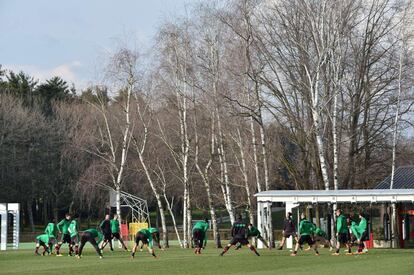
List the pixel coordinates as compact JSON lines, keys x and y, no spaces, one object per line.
{"x":179,"y":261}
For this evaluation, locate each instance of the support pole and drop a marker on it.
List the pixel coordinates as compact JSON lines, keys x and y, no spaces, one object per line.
{"x":3,"y":216}
{"x":260,"y":221}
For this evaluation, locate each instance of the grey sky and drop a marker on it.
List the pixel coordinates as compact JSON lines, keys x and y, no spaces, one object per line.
{"x":67,"y":38}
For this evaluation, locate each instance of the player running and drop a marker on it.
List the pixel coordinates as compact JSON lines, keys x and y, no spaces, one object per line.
{"x":42,"y":240}
{"x":146,"y":237}
{"x":360,"y":233}
{"x":306,"y":230}
{"x":341,"y":233}
{"x":289,"y":229}
{"x":105,"y":227}
{"x":94,"y":237}
{"x":74,"y":236}
{"x":52,"y":231}
{"x":115,"y":231}
{"x":253,"y":232}
{"x":63,"y":227}
{"x":239,"y":232}
{"x":200,"y":235}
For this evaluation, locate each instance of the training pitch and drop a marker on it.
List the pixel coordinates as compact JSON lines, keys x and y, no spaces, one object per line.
{"x":180,"y":261}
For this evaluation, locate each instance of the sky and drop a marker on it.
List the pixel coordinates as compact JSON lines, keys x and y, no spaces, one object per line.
{"x":47,"y":38}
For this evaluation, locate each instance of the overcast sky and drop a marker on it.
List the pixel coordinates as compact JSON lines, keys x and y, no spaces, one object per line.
{"x":67,"y":38}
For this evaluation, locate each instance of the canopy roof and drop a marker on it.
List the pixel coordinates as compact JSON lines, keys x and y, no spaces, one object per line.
{"x":334,"y":196}
{"x":403,"y":179}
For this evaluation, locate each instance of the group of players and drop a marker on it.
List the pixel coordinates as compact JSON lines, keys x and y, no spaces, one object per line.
{"x":76,"y":240}
{"x":348,"y":233}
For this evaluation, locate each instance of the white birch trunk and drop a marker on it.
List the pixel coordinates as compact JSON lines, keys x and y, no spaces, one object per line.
{"x":169,"y":207}
{"x":243,"y":170}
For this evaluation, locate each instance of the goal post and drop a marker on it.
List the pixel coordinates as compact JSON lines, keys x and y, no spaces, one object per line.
{"x":5,"y":210}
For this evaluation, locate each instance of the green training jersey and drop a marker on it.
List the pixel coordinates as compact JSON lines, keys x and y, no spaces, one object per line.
{"x":63,"y":226}
{"x":306,"y":227}
{"x":320,"y":232}
{"x":44,"y":238}
{"x":73,"y":229}
{"x":95,"y":234}
{"x":148,"y":235}
{"x":153,"y":230}
{"x":341,"y":225}
{"x":51,"y":230}
{"x":253,"y":232}
{"x":114,"y":226}
{"x":200,"y":225}
{"x":359,"y":229}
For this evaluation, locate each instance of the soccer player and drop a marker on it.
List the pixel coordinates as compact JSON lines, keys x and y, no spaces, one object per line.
{"x":63,"y":227}
{"x":306,"y":230}
{"x":106,"y":231}
{"x":94,"y":237}
{"x":289,"y":229}
{"x":155,"y":236}
{"x":200,"y":235}
{"x":52,"y":231}
{"x":42,"y":240}
{"x":74,"y":236}
{"x":254,"y":232}
{"x":239,"y":232}
{"x":360,"y":233}
{"x":341,"y":232}
{"x":146,"y":237}
{"x":320,"y":237}
{"x":115,"y":231}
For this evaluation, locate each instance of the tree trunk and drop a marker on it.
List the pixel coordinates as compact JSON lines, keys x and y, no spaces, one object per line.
{"x":173,"y":220}
{"x":30,"y":214}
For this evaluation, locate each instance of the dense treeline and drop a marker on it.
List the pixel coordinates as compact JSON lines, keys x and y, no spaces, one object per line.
{"x":241,"y":97}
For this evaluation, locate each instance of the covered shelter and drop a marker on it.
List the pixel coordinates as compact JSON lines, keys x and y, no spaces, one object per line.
{"x":293,"y":198}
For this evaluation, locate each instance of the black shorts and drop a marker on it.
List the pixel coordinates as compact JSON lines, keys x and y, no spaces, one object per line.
{"x":116,"y":235}
{"x":239,"y":239}
{"x":142,"y":238}
{"x":364,"y":236}
{"x":74,"y":239}
{"x":343,"y":237}
{"x":107,"y":236}
{"x":87,"y":237}
{"x":41,"y":243}
{"x":306,"y":239}
{"x":198,"y":237}
{"x":66,"y":238}
{"x":288,"y":234}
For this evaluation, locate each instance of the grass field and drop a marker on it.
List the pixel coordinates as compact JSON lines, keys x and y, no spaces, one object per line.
{"x":179,"y":261}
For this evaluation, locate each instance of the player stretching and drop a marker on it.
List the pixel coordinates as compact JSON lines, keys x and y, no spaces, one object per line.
{"x":115,"y":231}
{"x":360,"y":233}
{"x":288,"y":230}
{"x":146,"y":237}
{"x":106,"y":230}
{"x":74,"y":236}
{"x":42,"y":240}
{"x":52,"y":231}
{"x":306,"y":229}
{"x":253,"y":233}
{"x":200,"y":235}
{"x":63,"y":227}
{"x":94,"y":237}
{"x":341,"y":233}
{"x":239,"y":235}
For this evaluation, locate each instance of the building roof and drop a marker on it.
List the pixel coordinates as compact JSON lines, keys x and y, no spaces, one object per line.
{"x":403,"y":179}
{"x":334,"y":196}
